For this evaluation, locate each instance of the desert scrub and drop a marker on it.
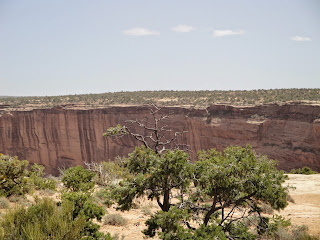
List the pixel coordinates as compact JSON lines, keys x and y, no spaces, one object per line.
{"x":304,"y":170}
{"x":108,"y":172}
{"x":48,"y":220}
{"x":46,"y":192}
{"x":115,"y":220}
{"x":256,"y":116}
{"x":17,"y":199}
{"x":4,"y":203}
{"x":266,"y":208}
{"x":146,"y":211}
{"x":118,"y":237}
{"x":104,"y":196}
{"x":44,"y":220}
{"x":36,"y":177}
{"x":294,"y":233}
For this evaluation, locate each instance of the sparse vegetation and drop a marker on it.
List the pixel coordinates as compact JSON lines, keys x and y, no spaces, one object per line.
{"x":293,"y":233}
{"x":166,"y":98}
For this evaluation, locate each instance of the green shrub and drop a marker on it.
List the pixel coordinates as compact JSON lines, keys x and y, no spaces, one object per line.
{"x":115,"y":220}
{"x":79,"y":185}
{"x":17,"y":179}
{"x":50,"y":221}
{"x":44,"y":220}
{"x":304,"y":170}
{"x":104,"y":196}
{"x":13,"y":176}
{"x":77,"y":179}
{"x":36,"y":177}
{"x":4,"y":203}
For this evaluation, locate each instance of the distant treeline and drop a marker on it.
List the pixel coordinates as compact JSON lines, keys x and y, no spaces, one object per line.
{"x":168,"y":98}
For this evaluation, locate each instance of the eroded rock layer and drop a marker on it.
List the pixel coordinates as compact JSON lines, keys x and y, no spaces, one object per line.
{"x":61,"y":137}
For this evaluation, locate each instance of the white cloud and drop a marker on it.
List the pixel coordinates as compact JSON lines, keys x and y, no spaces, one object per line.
{"x":183,"y":28}
{"x":300,"y":39}
{"x":223,"y":33}
{"x":138,"y":31}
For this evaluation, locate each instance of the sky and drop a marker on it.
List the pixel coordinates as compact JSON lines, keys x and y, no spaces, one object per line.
{"x":58,"y":47}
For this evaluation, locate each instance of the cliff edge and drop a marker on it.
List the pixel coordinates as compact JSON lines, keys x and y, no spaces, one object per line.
{"x":58,"y":137}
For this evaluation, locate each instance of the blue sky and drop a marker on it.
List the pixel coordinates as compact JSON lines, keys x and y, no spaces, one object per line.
{"x":57,"y":47}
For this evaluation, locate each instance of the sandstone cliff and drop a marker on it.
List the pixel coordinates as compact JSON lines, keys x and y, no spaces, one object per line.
{"x":62,"y":137}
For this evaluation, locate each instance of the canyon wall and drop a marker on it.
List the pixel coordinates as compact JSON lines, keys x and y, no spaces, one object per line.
{"x":61,"y":137}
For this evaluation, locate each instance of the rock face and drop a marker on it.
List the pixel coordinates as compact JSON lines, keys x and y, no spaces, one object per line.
{"x":61,"y":137}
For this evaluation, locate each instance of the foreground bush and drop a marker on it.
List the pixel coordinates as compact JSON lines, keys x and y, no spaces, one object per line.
{"x":79,"y":184}
{"x":13,"y":176}
{"x":44,"y":220}
{"x":18,"y":178}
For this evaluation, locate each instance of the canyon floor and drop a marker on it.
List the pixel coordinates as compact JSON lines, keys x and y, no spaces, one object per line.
{"x":304,"y":211}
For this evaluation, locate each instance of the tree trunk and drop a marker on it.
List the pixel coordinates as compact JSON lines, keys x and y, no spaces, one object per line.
{"x":166,"y":202}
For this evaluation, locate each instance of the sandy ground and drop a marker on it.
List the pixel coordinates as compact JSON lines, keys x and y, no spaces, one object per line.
{"x":306,"y":207}
{"x":135,"y":221}
{"x":304,"y":211}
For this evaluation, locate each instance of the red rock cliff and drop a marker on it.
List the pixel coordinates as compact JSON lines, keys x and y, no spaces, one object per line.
{"x":63,"y":137}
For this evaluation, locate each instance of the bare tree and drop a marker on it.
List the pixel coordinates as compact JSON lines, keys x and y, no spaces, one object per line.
{"x":154,"y":135}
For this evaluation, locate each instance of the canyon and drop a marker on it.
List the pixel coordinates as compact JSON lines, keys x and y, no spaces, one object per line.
{"x":67,"y":136}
